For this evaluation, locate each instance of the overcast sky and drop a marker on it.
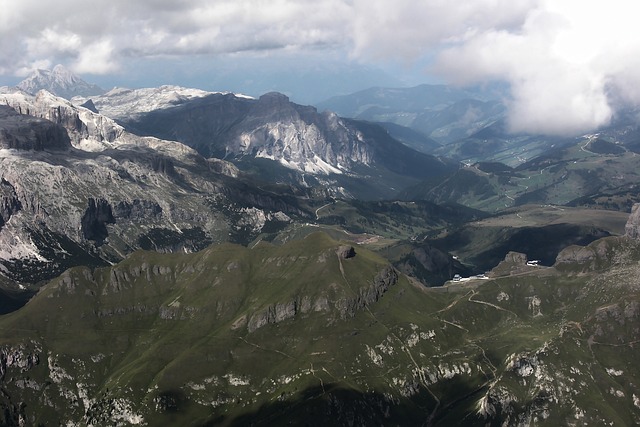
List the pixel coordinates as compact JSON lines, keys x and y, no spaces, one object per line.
{"x":565,"y":60}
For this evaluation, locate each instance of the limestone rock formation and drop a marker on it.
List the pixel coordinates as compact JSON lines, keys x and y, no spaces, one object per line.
{"x":24,"y":132}
{"x":95,"y":219}
{"x":513,"y":263}
{"x":9,"y":202}
{"x":632,"y":228}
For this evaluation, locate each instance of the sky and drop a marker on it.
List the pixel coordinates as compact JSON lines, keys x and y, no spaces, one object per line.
{"x":569,"y":64}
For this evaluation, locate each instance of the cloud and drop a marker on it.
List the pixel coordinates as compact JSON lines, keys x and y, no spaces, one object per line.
{"x":407,"y":29}
{"x":95,"y":36}
{"x":566,"y":60}
{"x":96,"y":58}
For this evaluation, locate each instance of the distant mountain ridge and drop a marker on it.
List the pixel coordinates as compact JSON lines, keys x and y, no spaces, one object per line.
{"x":60,"y":82}
{"x":122,"y":103}
{"x":441,"y":112}
{"x":271,"y":127}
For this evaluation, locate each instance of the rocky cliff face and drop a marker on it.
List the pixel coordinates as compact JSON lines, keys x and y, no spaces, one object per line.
{"x":9,"y":202}
{"x":86,"y":129}
{"x":298,"y":137}
{"x":25,"y":132}
{"x":368,"y":295}
{"x":632,"y":228}
{"x":95,"y":219}
{"x":346,"y":307}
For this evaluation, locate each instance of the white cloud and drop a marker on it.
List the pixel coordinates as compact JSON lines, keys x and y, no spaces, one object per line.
{"x":563,"y":58}
{"x":72,"y":30}
{"x":407,"y":28}
{"x":50,"y":42}
{"x":96,"y":58}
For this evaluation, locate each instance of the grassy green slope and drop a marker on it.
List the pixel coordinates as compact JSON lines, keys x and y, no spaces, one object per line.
{"x":572,"y":175}
{"x":296,"y":333}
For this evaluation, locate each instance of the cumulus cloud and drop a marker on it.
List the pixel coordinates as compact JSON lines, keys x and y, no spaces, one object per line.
{"x":95,"y":36}
{"x":407,"y":29}
{"x":565,"y":60}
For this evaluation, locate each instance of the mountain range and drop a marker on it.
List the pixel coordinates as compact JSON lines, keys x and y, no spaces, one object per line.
{"x":85,"y":184}
{"x":440,"y":112}
{"x":321,"y":147}
{"x":172,"y":256}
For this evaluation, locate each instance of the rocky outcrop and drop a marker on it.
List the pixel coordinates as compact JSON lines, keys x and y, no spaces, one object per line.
{"x":95,"y":219}
{"x":80,"y":123}
{"x":163,"y":165}
{"x":279,"y":312}
{"x":632,"y":228}
{"x":19,"y":357}
{"x":595,"y":256}
{"x":137,"y":210}
{"x":24,"y":132}
{"x":348,"y":307}
{"x":224,"y":168}
{"x":89,"y":105}
{"x":346,"y":252}
{"x":273,"y":314}
{"x":516,"y":258}
{"x":9,"y":202}
{"x":513,"y":263}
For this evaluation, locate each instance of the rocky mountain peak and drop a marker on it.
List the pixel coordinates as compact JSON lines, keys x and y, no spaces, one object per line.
{"x":274,"y":107}
{"x":89,"y":105}
{"x":274,"y":98}
{"x":60,"y":81}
